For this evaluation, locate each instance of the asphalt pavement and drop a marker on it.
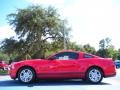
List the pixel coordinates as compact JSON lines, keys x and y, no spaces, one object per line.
{"x":112,"y":83}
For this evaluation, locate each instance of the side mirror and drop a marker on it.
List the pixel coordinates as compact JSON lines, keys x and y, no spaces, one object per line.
{"x":52,"y":58}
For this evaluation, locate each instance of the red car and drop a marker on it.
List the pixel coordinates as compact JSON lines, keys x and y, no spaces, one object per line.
{"x":64,"y":65}
{"x":3,"y":65}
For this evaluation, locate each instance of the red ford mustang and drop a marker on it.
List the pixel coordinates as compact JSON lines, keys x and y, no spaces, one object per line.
{"x":3,"y":65}
{"x":64,"y":65}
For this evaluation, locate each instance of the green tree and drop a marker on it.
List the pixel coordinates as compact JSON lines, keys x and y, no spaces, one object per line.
{"x":35,"y":26}
{"x":107,"y":49}
{"x":74,"y":46}
{"x":4,"y":57}
{"x":118,"y":54}
{"x":89,"y":49}
{"x":103,"y":47}
{"x":104,"y":43}
{"x":8,"y":46}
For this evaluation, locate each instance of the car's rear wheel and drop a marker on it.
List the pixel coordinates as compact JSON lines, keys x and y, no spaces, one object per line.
{"x":94,"y":75}
{"x":26,"y":75}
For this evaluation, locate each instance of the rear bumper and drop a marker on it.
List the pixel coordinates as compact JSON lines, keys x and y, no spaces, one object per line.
{"x":110,"y":75}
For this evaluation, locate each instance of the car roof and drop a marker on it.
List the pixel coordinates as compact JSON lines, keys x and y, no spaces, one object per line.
{"x":71,"y":51}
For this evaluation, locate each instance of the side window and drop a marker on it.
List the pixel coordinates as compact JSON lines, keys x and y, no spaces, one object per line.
{"x":60,"y":56}
{"x":73,"y":55}
{"x":87,"y":56}
{"x":66,"y":56}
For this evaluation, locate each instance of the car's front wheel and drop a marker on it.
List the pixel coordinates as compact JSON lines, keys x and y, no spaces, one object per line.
{"x":26,"y":75}
{"x":94,"y":75}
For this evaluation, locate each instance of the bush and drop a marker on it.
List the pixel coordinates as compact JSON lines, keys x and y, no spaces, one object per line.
{"x":3,"y":72}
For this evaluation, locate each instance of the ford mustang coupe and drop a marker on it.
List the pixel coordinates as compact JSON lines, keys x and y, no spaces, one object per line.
{"x":64,"y":65}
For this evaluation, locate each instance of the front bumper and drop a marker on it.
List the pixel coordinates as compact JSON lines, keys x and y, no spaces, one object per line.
{"x":12,"y":74}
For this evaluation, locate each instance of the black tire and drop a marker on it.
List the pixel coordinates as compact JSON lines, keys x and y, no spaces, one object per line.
{"x":26,"y":75}
{"x":94,"y":75}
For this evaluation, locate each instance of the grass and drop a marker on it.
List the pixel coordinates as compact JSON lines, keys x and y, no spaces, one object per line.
{"x":3,"y":72}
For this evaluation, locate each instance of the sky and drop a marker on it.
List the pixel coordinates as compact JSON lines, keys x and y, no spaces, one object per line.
{"x":90,"y":20}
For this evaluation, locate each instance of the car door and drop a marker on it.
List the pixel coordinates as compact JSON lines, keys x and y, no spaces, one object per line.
{"x":64,"y":63}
